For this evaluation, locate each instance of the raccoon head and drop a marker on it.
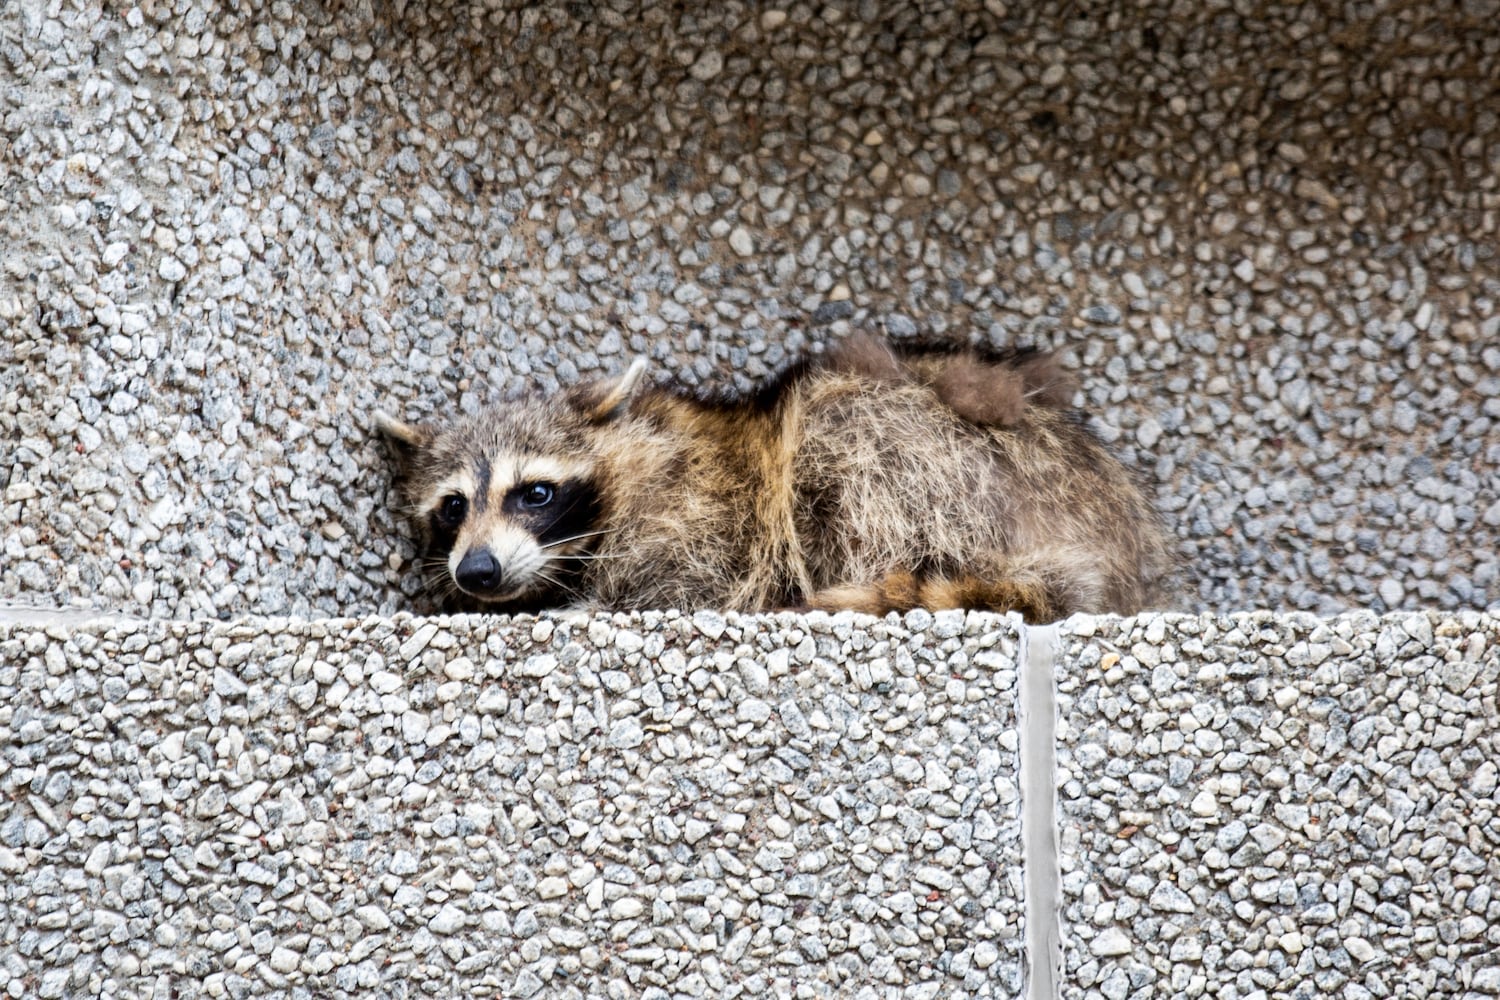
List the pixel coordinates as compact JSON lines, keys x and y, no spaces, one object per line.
{"x":509,"y":502}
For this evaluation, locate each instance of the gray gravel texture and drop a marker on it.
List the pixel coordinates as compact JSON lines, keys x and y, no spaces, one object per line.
{"x":1266,"y":242}
{"x":643,"y":806}
{"x":1261,"y":806}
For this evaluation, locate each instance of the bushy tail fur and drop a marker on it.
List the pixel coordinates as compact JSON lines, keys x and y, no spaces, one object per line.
{"x":1034,"y":598}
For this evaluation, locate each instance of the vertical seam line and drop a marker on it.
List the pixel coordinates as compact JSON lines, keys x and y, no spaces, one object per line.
{"x":1036,"y":719}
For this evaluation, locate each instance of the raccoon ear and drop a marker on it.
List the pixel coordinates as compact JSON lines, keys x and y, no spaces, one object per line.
{"x":604,"y":400}
{"x":407,"y":439}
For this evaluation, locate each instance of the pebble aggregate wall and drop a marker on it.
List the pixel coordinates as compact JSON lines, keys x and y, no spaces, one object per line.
{"x":1251,"y":806}
{"x":1263,"y":235}
{"x":1281,"y":806}
{"x":1264,"y":239}
{"x":645,"y":806}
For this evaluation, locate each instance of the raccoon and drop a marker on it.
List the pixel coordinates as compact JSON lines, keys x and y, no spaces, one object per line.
{"x":991,"y":391}
{"x":865,"y":479}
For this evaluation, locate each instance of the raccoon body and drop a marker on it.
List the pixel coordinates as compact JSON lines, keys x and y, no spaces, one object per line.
{"x":863,"y":480}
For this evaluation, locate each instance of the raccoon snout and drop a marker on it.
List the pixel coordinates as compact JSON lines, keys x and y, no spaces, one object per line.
{"x":479,"y":572}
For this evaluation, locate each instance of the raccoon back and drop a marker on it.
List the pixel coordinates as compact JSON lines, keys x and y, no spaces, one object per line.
{"x":887,"y":476}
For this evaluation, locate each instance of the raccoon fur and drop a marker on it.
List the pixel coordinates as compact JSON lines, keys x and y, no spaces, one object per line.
{"x":865,"y":479}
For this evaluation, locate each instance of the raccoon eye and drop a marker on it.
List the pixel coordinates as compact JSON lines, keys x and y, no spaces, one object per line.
{"x":452,"y":510}
{"x":537,"y":495}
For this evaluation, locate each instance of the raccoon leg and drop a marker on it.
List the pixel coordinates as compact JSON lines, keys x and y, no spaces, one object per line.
{"x":901,"y":591}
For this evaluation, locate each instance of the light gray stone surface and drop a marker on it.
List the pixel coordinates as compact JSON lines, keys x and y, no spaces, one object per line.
{"x":643,"y":806}
{"x":1259,"y":806}
{"x":1264,"y":239}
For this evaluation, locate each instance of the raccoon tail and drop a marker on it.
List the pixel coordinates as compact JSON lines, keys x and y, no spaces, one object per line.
{"x":1035,"y":600}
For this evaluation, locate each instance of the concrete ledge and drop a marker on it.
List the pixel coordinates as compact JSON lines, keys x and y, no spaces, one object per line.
{"x":656,"y":805}
{"x":1258,"y":805}
{"x":648,"y":806}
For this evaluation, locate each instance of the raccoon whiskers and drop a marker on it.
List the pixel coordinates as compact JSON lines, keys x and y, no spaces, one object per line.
{"x":411,"y":509}
{"x":433,"y":566}
{"x":572,"y":538}
{"x":551,"y":578}
{"x":557,"y":584}
{"x":438,"y":585}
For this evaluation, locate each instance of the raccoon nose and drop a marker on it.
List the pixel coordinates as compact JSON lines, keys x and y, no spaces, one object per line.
{"x":479,"y":572}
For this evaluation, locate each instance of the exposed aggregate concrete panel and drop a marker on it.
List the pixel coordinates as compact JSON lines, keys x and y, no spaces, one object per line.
{"x":1263,"y":235}
{"x":630,"y":806}
{"x":1256,"y":806}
